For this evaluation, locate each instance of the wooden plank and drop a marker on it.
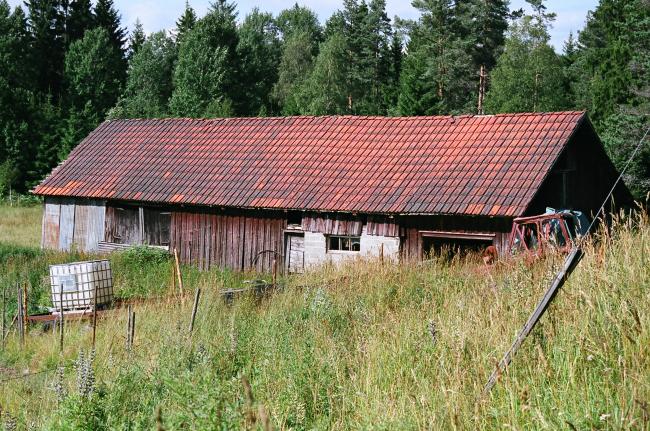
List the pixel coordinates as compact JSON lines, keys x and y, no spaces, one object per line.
{"x":66,"y":224}
{"x":50,"y":233}
{"x":80,"y":235}
{"x":96,"y":222}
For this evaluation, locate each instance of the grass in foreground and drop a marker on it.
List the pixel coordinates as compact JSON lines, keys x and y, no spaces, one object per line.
{"x":357,"y":347}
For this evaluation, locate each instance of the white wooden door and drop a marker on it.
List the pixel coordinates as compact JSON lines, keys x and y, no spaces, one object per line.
{"x":295,"y":253}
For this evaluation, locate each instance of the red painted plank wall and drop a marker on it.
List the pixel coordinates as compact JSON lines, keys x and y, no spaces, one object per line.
{"x":228,"y":241}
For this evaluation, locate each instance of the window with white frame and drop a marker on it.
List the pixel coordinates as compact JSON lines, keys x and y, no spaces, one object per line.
{"x":343,"y":243}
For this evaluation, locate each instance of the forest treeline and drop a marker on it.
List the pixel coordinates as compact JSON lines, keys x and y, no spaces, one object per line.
{"x":67,"y":65}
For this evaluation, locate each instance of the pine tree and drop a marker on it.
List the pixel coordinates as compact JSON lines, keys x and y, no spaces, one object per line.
{"x":326,"y":89}
{"x":137,"y":38}
{"x":259,"y":49}
{"x":484,"y":24}
{"x":295,"y":66}
{"x":200,"y":75}
{"x":185,"y":23}
{"x":92,"y":82}
{"x":149,"y":84}
{"x":529,"y":76}
{"x":79,"y":20}
{"x":443,"y":59}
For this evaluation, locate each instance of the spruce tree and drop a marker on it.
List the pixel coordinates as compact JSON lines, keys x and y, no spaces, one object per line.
{"x":185,"y":23}
{"x":611,"y":68}
{"x":47,"y":45}
{"x":137,"y":38}
{"x":219,"y":26}
{"x":108,"y":18}
{"x":80,"y":19}
{"x":391,"y":89}
{"x":418,"y":95}
{"x":92,"y":82}
{"x":16,"y":114}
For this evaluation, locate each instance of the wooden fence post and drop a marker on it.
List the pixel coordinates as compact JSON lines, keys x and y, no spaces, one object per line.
{"x":4,"y":312}
{"x":21,"y":321}
{"x":25,"y":313}
{"x":128,"y":327}
{"x":61,"y":319}
{"x":195,"y":308}
{"x":178,"y":273}
{"x":132,"y":329}
{"x":275,"y":272}
{"x":94,"y":315}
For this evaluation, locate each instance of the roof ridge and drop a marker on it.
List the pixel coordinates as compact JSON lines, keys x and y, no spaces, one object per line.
{"x":348,"y":116}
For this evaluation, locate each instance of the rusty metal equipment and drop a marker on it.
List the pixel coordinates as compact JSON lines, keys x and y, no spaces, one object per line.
{"x":557,"y":231}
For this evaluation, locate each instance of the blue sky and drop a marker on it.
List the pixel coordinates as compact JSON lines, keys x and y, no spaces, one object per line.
{"x":162,"y":14}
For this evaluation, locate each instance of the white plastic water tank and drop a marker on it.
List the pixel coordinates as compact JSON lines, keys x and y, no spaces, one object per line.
{"x":78,"y":281}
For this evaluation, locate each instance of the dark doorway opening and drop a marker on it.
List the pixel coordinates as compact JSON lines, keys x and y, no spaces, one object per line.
{"x":447,"y":245}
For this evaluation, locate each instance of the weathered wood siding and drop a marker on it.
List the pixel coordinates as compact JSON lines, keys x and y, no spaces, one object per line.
{"x":69,"y":223}
{"x":66,"y":224}
{"x":382,"y":226}
{"x":228,"y":241}
{"x":50,"y":228}
{"x":157,"y":226}
{"x":332,"y":224}
{"x":123,"y":225}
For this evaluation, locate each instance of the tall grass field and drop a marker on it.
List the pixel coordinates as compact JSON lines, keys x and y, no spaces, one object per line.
{"x":363,"y":346}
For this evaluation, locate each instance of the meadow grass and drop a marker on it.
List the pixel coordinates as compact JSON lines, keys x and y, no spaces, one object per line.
{"x":362,"y":346}
{"x":21,"y":225}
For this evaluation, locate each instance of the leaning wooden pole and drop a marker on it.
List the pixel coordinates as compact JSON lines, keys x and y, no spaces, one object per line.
{"x":195,"y":308}
{"x":569,"y":265}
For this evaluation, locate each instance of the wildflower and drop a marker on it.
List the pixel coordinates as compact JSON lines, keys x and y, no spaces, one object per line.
{"x":433,"y":331}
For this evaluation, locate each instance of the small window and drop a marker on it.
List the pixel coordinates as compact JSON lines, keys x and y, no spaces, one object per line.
{"x":344,"y":243}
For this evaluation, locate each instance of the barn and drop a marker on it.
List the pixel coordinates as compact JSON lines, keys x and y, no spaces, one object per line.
{"x":241,"y":193}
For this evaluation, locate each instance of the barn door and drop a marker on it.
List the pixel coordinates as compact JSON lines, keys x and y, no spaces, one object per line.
{"x":295,"y":253}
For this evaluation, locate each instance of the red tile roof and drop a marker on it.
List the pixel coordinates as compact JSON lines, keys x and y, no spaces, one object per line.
{"x":489,"y":165}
